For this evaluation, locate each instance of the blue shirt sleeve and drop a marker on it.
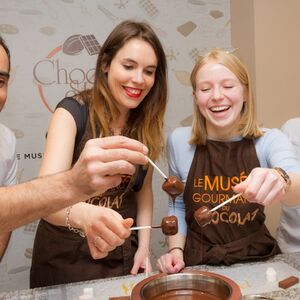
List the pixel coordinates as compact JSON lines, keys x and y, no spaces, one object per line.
{"x":180,"y":156}
{"x":274,"y":149}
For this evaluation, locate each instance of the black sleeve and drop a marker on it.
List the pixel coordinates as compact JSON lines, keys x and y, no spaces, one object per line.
{"x":79,"y":112}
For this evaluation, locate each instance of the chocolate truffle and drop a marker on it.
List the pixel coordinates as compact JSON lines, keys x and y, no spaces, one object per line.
{"x":169,"y":225}
{"x":203,"y":216}
{"x":173,"y":186}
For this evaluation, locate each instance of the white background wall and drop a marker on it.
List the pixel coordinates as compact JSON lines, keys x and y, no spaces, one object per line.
{"x":35,"y":32}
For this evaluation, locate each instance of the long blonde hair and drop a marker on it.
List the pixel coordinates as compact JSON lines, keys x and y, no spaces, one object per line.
{"x":145,"y":122}
{"x":248,"y":126}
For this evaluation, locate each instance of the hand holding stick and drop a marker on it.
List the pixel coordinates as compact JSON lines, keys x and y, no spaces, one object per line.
{"x":172,"y":185}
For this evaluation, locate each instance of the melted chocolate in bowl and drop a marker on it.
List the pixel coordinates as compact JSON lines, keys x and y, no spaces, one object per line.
{"x":186,"y":295}
{"x":187,"y":285}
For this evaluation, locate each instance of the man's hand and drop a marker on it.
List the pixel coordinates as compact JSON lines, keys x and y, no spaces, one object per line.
{"x":104,"y":160}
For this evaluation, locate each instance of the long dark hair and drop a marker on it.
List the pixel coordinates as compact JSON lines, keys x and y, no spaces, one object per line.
{"x":145,"y":122}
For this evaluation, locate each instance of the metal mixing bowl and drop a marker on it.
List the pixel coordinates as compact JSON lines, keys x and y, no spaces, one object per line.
{"x":187,"y":285}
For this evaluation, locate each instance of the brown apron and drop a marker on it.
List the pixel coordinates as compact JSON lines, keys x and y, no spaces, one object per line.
{"x":237,"y":232}
{"x":61,"y":256}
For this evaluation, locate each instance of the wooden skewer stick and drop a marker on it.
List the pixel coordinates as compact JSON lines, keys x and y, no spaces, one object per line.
{"x":225,"y":202}
{"x":147,"y":267}
{"x":158,"y":169}
{"x":145,"y":227}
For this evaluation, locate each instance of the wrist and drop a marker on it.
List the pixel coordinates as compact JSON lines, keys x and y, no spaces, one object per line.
{"x":178,"y":251}
{"x":144,"y":250}
{"x":77,"y":216}
{"x":71,"y":191}
{"x":69,"y":225}
{"x":284,"y":176}
{"x":144,"y":246}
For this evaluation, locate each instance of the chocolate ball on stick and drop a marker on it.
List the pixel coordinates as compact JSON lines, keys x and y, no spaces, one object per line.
{"x":203,"y":216}
{"x":169,"y":225}
{"x":173,"y":186}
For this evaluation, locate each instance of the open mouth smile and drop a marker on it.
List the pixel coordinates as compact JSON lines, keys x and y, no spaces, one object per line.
{"x":132,"y":92}
{"x":221,"y":108}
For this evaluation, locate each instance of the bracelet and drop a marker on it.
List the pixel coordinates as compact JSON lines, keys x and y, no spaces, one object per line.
{"x":284,"y":175}
{"x":179,"y":248}
{"x":67,"y":221}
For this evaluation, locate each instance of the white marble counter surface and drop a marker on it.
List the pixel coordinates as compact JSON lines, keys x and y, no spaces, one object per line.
{"x":251,"y":278}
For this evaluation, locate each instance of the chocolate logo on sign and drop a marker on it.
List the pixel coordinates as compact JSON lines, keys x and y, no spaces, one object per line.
{"x":59,"y":68}
{"x":76,"y":43}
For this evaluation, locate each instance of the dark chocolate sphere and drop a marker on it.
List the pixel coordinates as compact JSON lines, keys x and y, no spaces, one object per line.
{"x":203,"y":216}
{"x":173,"y":186}
{"x":169,"y":225}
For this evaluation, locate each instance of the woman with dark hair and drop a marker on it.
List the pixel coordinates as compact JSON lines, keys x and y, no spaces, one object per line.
{"x":128,"y":98}
{"x":23,"y":203}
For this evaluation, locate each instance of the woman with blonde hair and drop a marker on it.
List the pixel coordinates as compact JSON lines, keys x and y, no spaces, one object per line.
{"x":128,"y":98}
{"x":225,"y":152}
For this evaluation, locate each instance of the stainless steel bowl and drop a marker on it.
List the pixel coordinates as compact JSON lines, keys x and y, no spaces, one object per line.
{"x":187,"y":285}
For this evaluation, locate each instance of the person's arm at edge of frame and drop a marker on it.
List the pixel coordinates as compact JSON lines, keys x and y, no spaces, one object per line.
{"x":286,"y":158}
{"x":278,"y":152}
{"x":10,"y":180}
{"x":23,"y":203}
{"x":28,"y":201}
{"x":290,"y":130}
{"x":292,"y":194}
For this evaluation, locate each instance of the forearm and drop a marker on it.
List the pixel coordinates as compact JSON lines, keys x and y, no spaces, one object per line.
{"x":176,"y":242}
{"x":144,"y":217}
{"x":23,"y":203}
{"x":75,"y":215}
{"x":144,"y":200}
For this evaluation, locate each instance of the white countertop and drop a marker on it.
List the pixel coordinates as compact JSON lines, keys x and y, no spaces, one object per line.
{"x":251,"y":278}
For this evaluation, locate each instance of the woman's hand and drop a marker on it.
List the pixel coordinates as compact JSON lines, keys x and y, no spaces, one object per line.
{"x":141,"y":261}
{"x":170,"y":263}
{"x":105,"y":229}
{"x":263,"y":186}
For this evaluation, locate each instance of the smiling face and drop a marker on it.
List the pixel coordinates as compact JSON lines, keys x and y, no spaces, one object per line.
{"x":131,"y":74}
{"x":219,"y":96}
{"x":4,"y":69}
